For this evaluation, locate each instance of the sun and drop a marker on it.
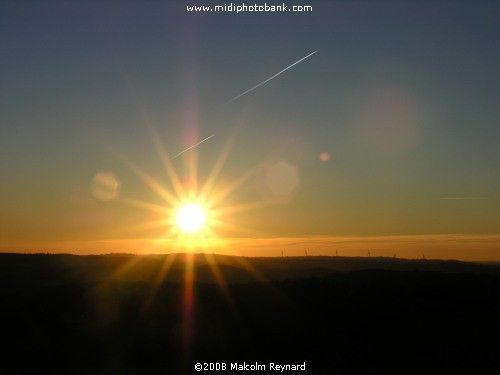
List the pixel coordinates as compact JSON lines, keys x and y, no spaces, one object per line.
{"x":192,"y":215}
{"x":191,"y":218}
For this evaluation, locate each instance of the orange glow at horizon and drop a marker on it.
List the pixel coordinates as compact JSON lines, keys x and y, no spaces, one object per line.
{"x":465,"y":247}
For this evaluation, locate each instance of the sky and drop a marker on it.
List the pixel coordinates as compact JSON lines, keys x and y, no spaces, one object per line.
{"x":387,"y":135}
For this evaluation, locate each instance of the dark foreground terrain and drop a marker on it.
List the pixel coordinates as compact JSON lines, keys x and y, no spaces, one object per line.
{"x":123,"y":314}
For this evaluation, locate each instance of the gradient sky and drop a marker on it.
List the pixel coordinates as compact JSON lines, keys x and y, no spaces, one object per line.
{"x":396,"y":113}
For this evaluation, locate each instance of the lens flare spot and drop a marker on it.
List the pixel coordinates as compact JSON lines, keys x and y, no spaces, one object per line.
{"x":324,"y":156}
{"x":390,"y":119}
{"x":282,"y":178}
{"x":105,"y":186}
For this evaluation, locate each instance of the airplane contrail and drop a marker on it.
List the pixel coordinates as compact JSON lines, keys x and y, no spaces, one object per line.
{"x":270,"y":78}
{"x":463,"y":198}
{"x":193,"y":146}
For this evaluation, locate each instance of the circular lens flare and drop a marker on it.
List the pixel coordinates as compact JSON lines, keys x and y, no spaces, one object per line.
{"x":190,"y":218}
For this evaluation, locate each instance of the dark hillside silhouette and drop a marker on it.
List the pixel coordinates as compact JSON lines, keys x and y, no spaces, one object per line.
{"x":62,"y":268}
{"x":101,"y":314}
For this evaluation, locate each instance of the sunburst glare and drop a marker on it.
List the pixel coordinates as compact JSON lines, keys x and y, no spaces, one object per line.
{"x":192,"y":214}
{"x":191,"y":217}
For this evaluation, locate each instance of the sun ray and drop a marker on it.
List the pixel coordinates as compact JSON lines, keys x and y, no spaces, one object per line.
{"x":160,"y":278}
{"x":143,"y":204}
{"x":167,"y":164}
{"x":209,"y":183}
{"x":191,"y":161}
{"x":233,"y":228}
{"x":220,"y":195}
{"x":159,"y":147}
{"x":251,"y":205}
{"x":221,"y":282}
{"x":252,"y":270}
{"x":148,"y":180}
{"x":188,"y":298}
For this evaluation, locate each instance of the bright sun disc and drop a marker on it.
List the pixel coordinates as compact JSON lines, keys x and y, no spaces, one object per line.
{"x":190,"y":218}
